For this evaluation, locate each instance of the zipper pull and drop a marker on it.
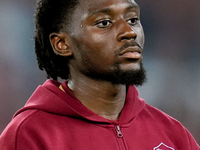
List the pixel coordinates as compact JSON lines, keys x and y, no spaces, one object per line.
{"x":119,"y":133}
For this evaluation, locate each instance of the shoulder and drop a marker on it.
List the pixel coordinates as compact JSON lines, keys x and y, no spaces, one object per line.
{"x":167,"y":126}
{"x":19,"y":131}
{"x":156,"y":113}
{"x":160,"y":118}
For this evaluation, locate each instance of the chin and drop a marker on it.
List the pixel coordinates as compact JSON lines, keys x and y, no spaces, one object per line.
{"x":132,"y":74}
{"x":131,"y":66}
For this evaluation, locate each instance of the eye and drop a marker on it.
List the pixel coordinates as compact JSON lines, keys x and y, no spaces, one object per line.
{"x":104,"y":24}
{"x":133,"y":21}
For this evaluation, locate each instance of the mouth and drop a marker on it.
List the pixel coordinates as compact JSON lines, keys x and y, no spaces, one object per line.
{"x":132,"y":52}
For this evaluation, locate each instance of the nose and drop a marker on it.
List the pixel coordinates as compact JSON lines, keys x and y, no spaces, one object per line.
{"x":125,"y":32}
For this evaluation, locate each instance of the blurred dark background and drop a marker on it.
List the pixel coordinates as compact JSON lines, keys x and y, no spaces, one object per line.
{"x":171,"y":58}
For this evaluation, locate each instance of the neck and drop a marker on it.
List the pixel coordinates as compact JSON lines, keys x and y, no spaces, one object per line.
{"x":101,"y":97}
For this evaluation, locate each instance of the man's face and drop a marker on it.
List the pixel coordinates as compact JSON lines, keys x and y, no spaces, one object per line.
{"x":107,"y":39}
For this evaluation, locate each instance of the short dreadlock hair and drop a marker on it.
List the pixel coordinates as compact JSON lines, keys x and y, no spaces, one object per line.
{"x":52,"y":16}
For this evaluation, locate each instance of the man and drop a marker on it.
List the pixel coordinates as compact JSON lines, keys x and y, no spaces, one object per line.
{"x":97,"y":47}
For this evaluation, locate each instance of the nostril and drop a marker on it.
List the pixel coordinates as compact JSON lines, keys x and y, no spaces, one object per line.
{"x":128,"y":38}
{"x":123,"y":38}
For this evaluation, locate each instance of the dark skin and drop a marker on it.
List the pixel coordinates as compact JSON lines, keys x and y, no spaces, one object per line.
{"x":99,"y":28}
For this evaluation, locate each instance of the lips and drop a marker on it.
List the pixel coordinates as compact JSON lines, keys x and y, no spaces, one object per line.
{"x":132,"y":52}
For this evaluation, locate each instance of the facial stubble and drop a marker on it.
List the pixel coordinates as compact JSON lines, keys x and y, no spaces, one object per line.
{"x":116,"y":75}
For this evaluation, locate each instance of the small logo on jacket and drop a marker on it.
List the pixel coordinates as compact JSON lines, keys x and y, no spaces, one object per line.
{"x":163,"y":146}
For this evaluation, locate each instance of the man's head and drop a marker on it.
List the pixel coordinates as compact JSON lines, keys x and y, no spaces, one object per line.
{"x":99,"y":39}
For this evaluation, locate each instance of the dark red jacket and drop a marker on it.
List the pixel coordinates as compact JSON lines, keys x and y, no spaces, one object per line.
{"x":54,"y":120}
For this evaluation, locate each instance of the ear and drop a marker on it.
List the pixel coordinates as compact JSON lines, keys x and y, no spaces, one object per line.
{"x":60,"y":44}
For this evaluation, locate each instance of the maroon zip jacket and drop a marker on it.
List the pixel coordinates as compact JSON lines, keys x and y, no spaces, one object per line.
{"x":55,"y":120}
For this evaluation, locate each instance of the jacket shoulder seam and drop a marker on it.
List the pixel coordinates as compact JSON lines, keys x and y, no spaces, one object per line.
{"x":21,"y":123}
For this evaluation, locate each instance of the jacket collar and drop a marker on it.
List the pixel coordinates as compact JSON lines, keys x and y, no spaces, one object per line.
{"x":51,"y":99}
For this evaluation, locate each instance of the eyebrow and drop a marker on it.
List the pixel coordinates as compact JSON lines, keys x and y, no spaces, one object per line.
{"x":109,"y":10}
{"x":133,"y":6}
{"x":104,"y":10}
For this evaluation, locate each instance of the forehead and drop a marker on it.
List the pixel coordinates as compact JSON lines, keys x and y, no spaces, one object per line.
{"x":91,"y":6}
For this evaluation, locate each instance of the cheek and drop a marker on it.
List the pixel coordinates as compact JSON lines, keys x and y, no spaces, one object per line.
{"x":96,"y":42}
{"x":99,"y":40}
{"x":99,"y":46}
{"x":140,"y":37}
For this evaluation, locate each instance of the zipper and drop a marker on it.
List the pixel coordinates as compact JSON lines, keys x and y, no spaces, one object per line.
{"x":121,"y":142}
{"x":119,"y":133}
